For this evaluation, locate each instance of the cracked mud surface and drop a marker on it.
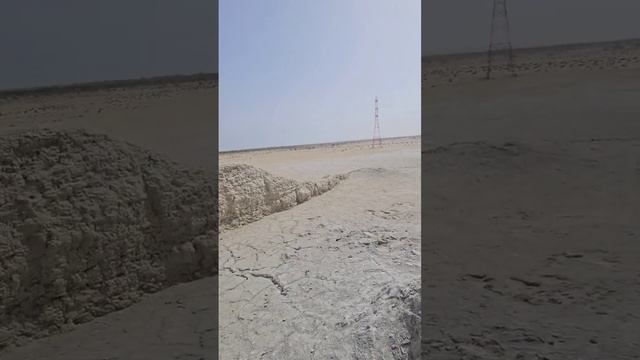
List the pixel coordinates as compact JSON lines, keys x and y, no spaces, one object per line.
{"x":336,"y":277}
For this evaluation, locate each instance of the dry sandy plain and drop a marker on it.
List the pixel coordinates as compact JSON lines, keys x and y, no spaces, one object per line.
{"x":531,"y":238}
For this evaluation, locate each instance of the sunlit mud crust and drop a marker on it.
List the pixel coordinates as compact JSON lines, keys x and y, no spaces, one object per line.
{"x":333,"y":277}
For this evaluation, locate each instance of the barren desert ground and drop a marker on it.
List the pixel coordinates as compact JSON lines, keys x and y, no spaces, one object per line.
{"x":169,"y":117}
{"x":531,"y":238}
{"x":108,"y":244}
{"x":336,"y":276}
{"x":530,"y":244}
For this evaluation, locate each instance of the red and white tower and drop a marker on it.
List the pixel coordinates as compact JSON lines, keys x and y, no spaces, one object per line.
{"x":377,"y":139}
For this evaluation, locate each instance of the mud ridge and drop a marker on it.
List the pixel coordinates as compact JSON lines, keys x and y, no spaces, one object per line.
{"x":88,"y":225}
{"x":248,"y":194}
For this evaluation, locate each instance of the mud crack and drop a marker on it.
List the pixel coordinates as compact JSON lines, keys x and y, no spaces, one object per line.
{"x":274,"y":280}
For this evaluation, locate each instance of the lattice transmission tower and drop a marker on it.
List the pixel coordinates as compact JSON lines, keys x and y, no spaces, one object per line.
{"x":377,"y":139}
{"x":500,"y":42}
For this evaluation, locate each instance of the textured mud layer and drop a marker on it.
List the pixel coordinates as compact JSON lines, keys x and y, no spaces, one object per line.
{"x":89,"y":224}
{"x":248,"y":193}
{"x":336,"y":277}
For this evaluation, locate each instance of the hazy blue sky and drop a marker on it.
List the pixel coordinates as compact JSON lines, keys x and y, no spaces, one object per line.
{"x":307,"y":71}
{"x":463,"y":25}
{"x":48,"y":42}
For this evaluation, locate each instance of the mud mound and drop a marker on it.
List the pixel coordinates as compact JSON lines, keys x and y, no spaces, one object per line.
{"x":89,"y":224}
{"x":248,"y":193}
{"x":391,"y":327}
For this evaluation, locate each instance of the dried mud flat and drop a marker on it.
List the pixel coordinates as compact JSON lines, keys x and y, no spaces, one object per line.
{"x":108,"y":249}
{"x":336,"y":276}
{"x":533,"y":244}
